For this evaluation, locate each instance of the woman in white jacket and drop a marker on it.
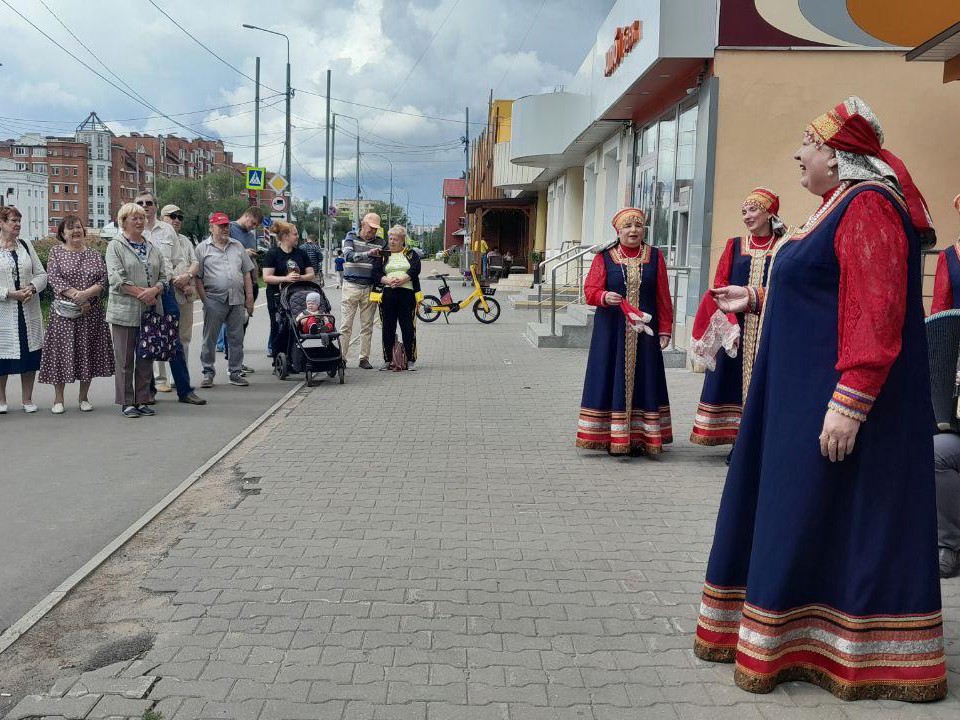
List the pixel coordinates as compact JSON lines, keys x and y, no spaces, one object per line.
{"x":22,"y":278}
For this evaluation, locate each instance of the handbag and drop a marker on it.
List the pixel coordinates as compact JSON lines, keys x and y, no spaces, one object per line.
{"x":66,"y":309}
{"x":159,"y":337}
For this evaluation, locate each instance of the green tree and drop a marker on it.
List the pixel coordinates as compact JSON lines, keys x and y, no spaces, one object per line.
{"x":198,"y":198}
{"x":397,"y":217}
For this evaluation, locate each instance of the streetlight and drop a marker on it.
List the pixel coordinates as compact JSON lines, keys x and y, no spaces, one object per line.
{"x":390,"y":206}
{"x":289,"y":147}
{"x":333,"y":156}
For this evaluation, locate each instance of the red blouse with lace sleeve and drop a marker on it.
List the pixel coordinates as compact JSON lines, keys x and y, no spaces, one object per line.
{"x":595,"y":284}
{"x":664,"y":302}
{"x":871,"y":248}
{"x":942,"y":289}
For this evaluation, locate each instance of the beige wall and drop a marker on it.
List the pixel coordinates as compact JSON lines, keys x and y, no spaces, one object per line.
{"x":768,"y":97}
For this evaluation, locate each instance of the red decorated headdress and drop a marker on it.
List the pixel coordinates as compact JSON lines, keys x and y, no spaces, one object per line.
{"x":956,"y":203}
{"x":627,"y":214}
{"x":852,"y":127}
{"x":765,"y":198}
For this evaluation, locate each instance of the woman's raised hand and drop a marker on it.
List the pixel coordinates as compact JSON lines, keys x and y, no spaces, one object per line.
{"x":732,"y":298}
{"x":612,"y":298}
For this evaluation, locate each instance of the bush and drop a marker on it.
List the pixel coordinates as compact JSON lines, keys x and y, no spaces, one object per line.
{"x":453,"y":257}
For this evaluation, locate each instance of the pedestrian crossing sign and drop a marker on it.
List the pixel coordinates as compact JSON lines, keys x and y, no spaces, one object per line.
{"x":256,"y":178}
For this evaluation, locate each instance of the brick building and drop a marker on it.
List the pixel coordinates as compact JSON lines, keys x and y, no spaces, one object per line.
{"x":454,"y":211}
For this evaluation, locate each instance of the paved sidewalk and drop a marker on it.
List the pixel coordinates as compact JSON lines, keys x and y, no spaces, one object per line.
{"x":430,"y":546}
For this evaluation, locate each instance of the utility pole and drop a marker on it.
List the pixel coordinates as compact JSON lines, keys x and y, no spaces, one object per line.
{"x":256,"y":117}
{"x":467,"y":241}
{"x":289,"y":147}
{"x":390,"y":206}
{"x":256,"y":128}
{"x":358,"y":176}
{"x":328,"y":187}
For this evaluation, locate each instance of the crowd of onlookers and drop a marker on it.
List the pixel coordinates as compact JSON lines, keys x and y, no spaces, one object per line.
{"x":129,"y":313}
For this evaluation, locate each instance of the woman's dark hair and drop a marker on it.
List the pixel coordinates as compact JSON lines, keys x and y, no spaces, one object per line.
{"x":8,"y":212}
{"x":66,"y":223}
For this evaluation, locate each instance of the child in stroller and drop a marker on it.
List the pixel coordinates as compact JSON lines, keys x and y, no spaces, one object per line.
{"x":307,"y":340}
{"x":312,"y":321}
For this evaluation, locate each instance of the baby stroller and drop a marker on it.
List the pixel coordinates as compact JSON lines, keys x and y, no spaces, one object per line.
{"x":295,"y":352}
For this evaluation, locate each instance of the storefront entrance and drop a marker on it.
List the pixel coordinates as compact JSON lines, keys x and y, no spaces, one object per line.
{"x":665,"y":155}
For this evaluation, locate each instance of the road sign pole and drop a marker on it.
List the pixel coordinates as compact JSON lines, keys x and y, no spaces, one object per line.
{"x":256,"y":118}
{"x":289,"y":145}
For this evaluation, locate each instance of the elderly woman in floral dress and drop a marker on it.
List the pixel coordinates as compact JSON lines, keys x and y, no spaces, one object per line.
{"x":78,"y":346}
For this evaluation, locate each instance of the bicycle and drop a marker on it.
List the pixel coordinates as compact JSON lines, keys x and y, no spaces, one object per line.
{"x":485,"y":308}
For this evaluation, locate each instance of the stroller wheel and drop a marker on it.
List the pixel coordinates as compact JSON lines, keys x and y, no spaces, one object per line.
{"x":309,"y":378}
{"x":280,"y":365}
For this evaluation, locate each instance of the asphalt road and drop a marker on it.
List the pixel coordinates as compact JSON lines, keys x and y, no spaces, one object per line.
{"x":71,"y":483}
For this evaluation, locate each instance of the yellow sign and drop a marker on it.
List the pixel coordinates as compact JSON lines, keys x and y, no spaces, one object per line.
{"x":278,"y":183}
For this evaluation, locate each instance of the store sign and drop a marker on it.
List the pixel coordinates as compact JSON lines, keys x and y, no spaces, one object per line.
{"x":624,"y":41}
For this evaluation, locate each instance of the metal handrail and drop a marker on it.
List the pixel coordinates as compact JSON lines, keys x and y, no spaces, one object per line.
{"x":542,"y":266}
{"x":678,"y":270}
{"x":553,"y":281}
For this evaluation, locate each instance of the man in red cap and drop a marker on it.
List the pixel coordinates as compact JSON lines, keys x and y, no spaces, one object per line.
{"x":226,"y":289}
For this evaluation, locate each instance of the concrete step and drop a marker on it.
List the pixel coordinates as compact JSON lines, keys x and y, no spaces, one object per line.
{"x":574,"y":329}
{"x":528,"y":301}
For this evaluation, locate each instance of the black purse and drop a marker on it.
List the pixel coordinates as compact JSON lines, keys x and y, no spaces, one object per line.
{"x":159,"y":337}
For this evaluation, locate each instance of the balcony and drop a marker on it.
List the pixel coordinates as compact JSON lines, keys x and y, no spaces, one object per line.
{"x":545,"y":125}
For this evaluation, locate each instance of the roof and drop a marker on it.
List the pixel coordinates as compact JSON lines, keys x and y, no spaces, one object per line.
{"x":454,"y":187}
{"x":940,"y":48}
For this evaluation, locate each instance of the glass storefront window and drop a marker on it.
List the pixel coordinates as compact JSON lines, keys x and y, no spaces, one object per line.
{"x":666,"y":167}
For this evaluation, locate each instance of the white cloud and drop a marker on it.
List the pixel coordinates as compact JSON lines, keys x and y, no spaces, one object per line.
{"x":370,"y":45}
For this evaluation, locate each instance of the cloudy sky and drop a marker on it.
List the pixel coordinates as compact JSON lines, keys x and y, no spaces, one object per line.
{"x":419,"y":57}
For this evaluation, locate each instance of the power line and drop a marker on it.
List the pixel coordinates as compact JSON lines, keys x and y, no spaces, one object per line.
{"x":107,"y":80}
{"x":388,"y":110}
{"x":520,"y":46}
{"x":198,"y":42}
{"x":417,"y":63}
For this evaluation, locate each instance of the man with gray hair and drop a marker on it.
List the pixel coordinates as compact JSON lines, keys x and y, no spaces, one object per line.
{"x":359,"y":248}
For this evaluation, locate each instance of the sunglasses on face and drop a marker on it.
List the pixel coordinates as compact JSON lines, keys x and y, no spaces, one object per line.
{"x":175,"y":216}
{"x":145,"y":203}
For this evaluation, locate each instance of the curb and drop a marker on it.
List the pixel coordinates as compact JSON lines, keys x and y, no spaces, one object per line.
{"x":38,"y":611}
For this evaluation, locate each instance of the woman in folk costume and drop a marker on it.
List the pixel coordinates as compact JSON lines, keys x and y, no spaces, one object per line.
{"x":625,"y":407}
{"x":745,"y":261}
{"x":824,"y":559}
{"x":946,"y":284}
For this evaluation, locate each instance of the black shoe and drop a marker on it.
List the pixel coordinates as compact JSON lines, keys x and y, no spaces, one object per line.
{"x":729,"y":458}
{"x":192,"y":399}
{"x":145,"y":410}
{"x":949,"y":563}
{"x":130,"y":411}
{"x":365,"y":364}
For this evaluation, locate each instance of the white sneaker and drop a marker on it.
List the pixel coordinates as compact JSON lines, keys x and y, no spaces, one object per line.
{"x":86,"y":406}
{"x":29,"y":407}
{"x":411,"y":365}
{"x":57,"y":409}
{"x":3,"y":409}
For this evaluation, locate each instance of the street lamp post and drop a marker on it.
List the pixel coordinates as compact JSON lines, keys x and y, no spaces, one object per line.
{"x":335,"y":116}
{"x":390,"y":206}
{"x":288,"y":146}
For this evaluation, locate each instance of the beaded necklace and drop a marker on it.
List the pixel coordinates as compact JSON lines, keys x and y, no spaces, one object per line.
{"x":815,"y":218}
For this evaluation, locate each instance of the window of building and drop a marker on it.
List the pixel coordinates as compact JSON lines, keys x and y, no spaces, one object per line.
{"x":75,"y":172}
{"x":55,"y":169}
{"x":149,"y":161}
{"x":39,"y":168}
{"x":56,"y":189}
{"x":22,"y":166}
{"x":56,"y":205}
{"x":100,"y":208}
{"x":101,"y":222}
{"x":99,"y":190}
{"x":89,"y":189}
{"x":39,"y":152}
{"x":100,"y":170}
{"x":20,"y":150}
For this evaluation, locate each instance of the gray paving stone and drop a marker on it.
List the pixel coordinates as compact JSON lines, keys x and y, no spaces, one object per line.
{"x":71,"y":708}
{"x":116,"y":706}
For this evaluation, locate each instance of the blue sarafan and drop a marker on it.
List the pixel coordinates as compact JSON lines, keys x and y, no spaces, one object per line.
{"x":827,"y":572}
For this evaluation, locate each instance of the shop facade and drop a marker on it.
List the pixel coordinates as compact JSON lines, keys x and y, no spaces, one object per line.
{"x":683,"y":106}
